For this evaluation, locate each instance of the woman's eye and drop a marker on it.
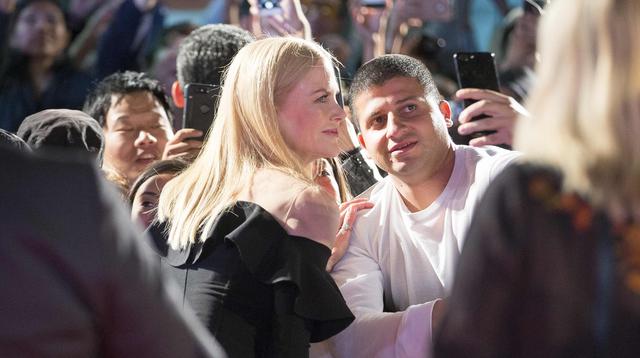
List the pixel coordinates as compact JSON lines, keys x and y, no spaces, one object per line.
{"x":148,"y":205}
{"x":323,"y":99}
{"x":410,"y":108}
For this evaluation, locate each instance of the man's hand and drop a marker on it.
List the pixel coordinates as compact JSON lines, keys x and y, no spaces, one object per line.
{"x":178,"y":145}
{"x":348,"y":211}
{"x":503,"y":112}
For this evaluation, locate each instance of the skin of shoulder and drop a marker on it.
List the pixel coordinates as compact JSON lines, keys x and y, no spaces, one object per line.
{"x":313,"y":215}
{"x":302,"y":209}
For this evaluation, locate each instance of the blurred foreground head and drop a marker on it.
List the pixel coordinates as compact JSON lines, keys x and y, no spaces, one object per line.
{"x":586,"y":103}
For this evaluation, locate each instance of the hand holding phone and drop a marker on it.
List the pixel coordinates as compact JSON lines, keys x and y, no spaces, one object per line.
{"x":476,"y":70}
{"x":269,"y":7}
{"x":201,"y":101}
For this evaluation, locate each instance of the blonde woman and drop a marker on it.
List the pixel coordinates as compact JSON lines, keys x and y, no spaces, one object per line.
{"x":551,"y":267}
{"x":249,"y":230}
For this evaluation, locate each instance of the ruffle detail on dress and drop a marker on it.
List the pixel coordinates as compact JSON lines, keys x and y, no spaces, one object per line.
{"x":273,"y":256}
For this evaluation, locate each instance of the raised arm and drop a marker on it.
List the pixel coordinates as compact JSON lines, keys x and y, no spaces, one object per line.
{"x":121,"y":44}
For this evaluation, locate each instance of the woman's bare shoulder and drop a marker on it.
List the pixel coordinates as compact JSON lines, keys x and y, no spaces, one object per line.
{"x":314,"y":215}
{"x":303,"y":209}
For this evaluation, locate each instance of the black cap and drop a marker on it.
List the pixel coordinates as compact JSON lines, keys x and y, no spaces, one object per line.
{"x":63,"y":128}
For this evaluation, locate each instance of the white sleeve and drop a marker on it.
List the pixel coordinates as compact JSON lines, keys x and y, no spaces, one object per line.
{"x":375,"y":333}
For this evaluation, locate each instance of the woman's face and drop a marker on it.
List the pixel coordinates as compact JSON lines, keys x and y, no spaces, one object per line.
{"x":145,"y":201}
{"x":40,"y":30}
{"x":309,"y":115}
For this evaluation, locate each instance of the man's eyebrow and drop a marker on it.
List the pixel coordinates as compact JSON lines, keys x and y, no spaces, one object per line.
{"x":404,"y":99}
{"x":372,"y":114}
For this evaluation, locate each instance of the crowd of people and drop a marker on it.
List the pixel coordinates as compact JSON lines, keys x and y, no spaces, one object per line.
{"x":342,"y":203}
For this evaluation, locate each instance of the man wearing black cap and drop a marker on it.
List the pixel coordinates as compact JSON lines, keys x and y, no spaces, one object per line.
{"x":63,"y":129}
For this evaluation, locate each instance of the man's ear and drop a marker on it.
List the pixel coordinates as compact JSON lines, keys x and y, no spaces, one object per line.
{"x":177,"y":94}
{"x":361,"y":140}
{"x":445,"y":109}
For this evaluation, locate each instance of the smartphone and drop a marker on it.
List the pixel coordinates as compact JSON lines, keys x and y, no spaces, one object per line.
{"x":201,"y":101}
{"x":269,"y":7}
{"x":476,"y":70}
{"x":373,"y":3}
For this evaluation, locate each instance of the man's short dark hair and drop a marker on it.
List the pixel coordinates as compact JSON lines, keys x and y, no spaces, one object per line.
{"x":98,"y":101}
{"x":381,"y":69}
{"x":205,"y":53}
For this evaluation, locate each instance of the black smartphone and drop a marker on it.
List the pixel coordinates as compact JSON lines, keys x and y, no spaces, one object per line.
{"x":373,"y":3}
{"x":201,"y":101}
{"x":476,"y":70}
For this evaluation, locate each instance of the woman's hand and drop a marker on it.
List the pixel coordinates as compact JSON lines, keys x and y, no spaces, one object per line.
{"x":348,"y":211}
{"x":290,"y":22}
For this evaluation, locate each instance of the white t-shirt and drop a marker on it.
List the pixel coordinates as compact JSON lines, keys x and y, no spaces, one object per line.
{"x":403,"y":261}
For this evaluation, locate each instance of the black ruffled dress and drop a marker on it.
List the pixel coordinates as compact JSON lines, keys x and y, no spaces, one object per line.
{"x":260,"y":291}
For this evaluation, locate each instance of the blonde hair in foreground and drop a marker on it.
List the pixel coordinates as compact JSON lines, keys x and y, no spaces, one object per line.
{"x":244,"y":137}
{"x":585,"y":106}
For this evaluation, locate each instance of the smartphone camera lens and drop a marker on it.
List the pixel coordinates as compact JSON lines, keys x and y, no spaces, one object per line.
{"x":268,"y":5}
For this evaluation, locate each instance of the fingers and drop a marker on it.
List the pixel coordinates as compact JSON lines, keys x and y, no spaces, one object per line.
{"x":182,"y":144}
{"x":484,"y":124}
{"x":182,"y":148}
{"x":489,"y":108}
{"x":346,"y":204}
{"x":281,"y":26}
{"x":480,"y":94}
{"x":500,"y":137}
{"x":185,"y":133}
{"x":349,"y":210}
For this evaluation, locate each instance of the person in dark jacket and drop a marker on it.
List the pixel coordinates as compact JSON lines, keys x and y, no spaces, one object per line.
{"x":550,"y":266}
{"x":34,"y":71}
{"x":76,"y":279}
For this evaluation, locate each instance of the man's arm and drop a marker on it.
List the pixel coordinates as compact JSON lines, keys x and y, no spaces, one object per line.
{"x":375,"y":333}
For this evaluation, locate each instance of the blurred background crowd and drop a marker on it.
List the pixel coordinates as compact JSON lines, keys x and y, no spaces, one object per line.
{"x":53,"y":52}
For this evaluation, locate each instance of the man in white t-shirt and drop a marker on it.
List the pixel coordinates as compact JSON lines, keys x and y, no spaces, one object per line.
{"x":402,"y":254}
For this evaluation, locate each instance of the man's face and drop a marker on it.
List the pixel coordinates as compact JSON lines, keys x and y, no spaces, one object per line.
{"x":40,"y":30}
{"x":136,"y":131}
{"x":405,"y":133}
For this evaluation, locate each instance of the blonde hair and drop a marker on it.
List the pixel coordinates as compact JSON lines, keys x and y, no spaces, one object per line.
{"x":585,"y":107}
{"x":244,"y":138}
